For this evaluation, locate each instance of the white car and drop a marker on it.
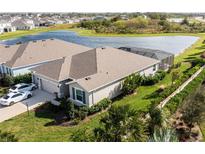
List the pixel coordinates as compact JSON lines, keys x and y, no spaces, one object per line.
{"x":23,"y":87}
{"x":14,"y":97}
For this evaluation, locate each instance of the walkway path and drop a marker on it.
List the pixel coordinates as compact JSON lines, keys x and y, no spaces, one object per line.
{"x":164,"y":102}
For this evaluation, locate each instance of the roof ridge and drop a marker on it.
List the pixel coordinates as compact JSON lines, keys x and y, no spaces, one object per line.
{"x":17,"y":54}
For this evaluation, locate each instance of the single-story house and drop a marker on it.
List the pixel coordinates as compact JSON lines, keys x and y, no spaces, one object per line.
{"x":90,"y":76}
{"x":23,"y":24}
{"x":18,"y":59}
{"x":166,"y":59}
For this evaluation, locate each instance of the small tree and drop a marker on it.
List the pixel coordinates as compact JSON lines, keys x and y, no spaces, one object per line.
{"x":131,"y":83}
{"x":121,"y":124}
{"x":175,"y":75}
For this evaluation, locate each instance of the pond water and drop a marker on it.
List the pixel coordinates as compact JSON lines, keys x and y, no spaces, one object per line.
{"x":173,"y":44}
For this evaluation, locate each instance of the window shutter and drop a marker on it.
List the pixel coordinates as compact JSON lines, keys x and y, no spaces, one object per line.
{"x":73,"y":91}
{"x":84,"y":97}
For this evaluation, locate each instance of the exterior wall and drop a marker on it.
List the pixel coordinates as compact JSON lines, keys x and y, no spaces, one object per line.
{"x":150,"y":71}
{"x":76,"y":85}
{"x":110,"y":91}
{"x":46,"y":84}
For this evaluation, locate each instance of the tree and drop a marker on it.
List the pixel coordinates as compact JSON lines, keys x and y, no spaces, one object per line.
{"x":185,"y":21}
{"x":175,"y":75}
{"x":7,"y":137}
{"x":121,"y":124}
{"x":164,"y":135}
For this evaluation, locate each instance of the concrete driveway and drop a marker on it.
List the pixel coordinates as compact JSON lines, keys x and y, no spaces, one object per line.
{"x":39,"y":98}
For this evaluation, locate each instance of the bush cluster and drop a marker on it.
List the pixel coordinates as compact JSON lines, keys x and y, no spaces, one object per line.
{"x":174,"y":102}
{"x":170,"y":89}
{"x":77,"y":113}
{"x":135,"y":80}
{"x":151,"y":80}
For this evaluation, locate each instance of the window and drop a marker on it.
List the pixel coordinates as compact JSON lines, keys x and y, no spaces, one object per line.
{"x":22,"y":87}
{"x":79,"y":95}
{"x":17,"y":95}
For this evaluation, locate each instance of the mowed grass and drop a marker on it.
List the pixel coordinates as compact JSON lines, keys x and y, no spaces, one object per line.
{"x":33,"y":127}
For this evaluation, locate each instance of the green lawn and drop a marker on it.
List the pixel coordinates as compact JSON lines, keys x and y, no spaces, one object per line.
{"x":32,"y":128}
{"x":85,"y":32}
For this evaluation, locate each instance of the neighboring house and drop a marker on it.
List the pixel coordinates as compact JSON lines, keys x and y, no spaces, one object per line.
{"x":166,"y":59}
{"x":6,"y":27}
{"x":18,"y":59}
{"x":90,"y":76}
{"x":23,"y":24}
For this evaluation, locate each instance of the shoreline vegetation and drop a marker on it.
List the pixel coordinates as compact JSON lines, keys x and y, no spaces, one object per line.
{"x":34,"y":127}
{"x":85,"y":32}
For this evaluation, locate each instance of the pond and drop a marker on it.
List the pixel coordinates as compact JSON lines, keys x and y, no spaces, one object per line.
{"x":173,"y":44}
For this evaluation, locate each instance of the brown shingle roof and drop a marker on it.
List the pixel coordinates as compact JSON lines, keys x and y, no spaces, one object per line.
{"x":103,"y":66}
{"x":38,"y":52}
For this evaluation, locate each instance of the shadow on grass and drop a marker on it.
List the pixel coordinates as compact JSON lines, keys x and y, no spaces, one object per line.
{"x":50,"y":112}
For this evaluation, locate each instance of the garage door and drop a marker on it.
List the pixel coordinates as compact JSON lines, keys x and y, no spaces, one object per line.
{"x":49,"y":86}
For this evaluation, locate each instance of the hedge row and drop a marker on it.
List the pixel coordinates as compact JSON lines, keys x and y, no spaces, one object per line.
{"x":179,"y":98}
{"x":160,"y":95}
{"x":10,"y":80}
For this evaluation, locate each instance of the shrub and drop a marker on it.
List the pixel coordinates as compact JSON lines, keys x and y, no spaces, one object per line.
{"x":82,"y":112}
{"x":103,"y":104}
{"x":151,"y":80}
{"x":131,"y":83}
{"x":26,"y":78}
{"x":7,"y":80}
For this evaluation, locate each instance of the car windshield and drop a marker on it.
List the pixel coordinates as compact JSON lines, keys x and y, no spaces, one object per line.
{"x":5,"y":97}
{"x":13,"y":88}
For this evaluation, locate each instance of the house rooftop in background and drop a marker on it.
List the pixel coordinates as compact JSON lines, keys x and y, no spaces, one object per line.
{"x":35,"y":52}
{"x":96,"y":67}
{"x":166,"y":58}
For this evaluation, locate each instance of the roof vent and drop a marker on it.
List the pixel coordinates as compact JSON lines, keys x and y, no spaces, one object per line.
{"x":87,"y":78}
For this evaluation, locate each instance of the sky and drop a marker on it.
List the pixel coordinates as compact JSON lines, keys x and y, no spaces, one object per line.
{"x":102,"y":6}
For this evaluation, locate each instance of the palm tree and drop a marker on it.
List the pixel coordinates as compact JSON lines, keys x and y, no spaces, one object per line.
{"x":121,"y":124}
{"x":164,"y":135}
